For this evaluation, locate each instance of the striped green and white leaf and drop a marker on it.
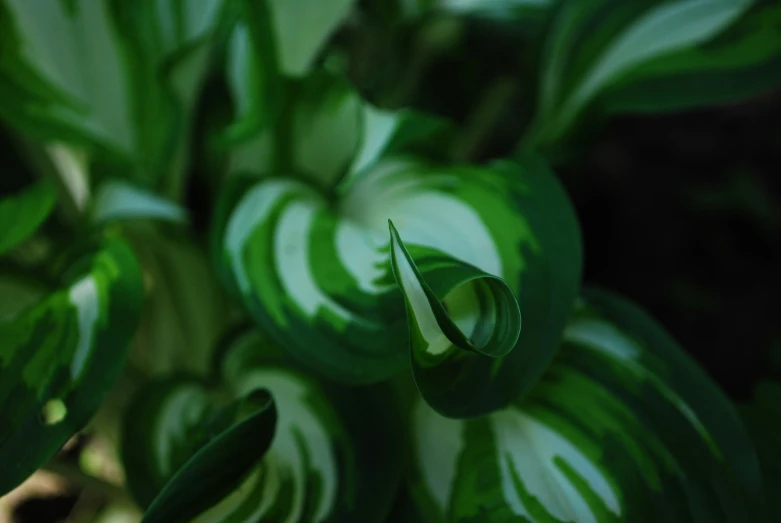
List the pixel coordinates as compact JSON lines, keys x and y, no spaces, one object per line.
{"x":622,"y":427}
{"x":117,"y":76}
{"x":233,"y":440}
{"x":326,"y":132}
{"x":334,"y":455}
{"x":316,"y":273}
{"x":593,"y":45}
{"x":742,"y":61}
{"x":458,"y":316}
{"x":59,"y":357}
{"x":22,"y":213}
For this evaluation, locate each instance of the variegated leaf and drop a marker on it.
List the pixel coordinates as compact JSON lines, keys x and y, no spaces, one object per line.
{"x":592,"y":45}
{"x":234,"y":439}
{"x":59,"y":358}
{"x":316,"y":274}
{"x":117,"y":77}
{"x":22,"y":213}
{"x":622,"y":427}
{"x":333,"y":457}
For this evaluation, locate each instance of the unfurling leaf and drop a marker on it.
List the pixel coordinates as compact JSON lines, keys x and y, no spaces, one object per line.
{"x":317,"y":275}
{"x":458,"y":317}
{"x":622,"y":427}
{"x":60,"y":357}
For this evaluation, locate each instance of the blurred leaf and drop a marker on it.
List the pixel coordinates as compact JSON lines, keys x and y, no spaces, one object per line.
{"x":622,"y":427}
{"x":22,"y":213}
{"x":118,"y":78}
{"x":243,"y":433}
{"x":743,"y":61}
{"x":60,"y":357}
{"x":118,"y":200}
{"x":274,"y":40}
{"x":333,"y":456}
{"x":186,"y":308}
{"x":593,"y":45}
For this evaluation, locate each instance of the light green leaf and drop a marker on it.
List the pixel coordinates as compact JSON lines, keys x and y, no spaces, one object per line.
{"x":593,"y":44}
{"x":64,"y":69}
{"x":316,"y":273}
{"x":333,"y":456}
{"x":119,"y":200}
{"x":22,"y":213}
{"x":60,"y":357}
{"x":302,"y":27}
{"x":237,"y":437}
{"x":500,"y":9}
{"x":622,"y":427}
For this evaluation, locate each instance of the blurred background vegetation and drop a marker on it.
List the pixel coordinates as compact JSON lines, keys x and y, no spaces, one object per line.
{"x":680,"y":211}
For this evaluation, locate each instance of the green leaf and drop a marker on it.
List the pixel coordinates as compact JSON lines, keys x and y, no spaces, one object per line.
{"x":63,"y":72}
{"x":21,"y":214}
{"x":244,"y":431}
{"x":622,"y":427}
{"x":592,"y":45}
{"x":334,"y":455}
{"x":458,"y":316}
{"x":119,"y":200}
{"x":316,"y":274}
{"x":60,"y":357}
{"x":743,"y":61}
{"x":119,"y":78}
{"x":302,"y":27}
{"x":275,"y":40}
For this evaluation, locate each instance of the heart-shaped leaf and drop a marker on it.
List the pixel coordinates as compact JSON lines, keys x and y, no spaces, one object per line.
{"x":622,"y":427}
{"x":21,"y":214}
{"x":60,"y":357}
{"x":317,"y":275}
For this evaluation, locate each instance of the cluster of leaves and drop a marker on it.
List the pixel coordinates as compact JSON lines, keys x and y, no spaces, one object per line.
{"x":375,"y":328}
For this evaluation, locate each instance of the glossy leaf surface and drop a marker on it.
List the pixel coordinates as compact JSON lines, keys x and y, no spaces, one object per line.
{"x":22,"y":213}
{"x":622,"y":427}
{"x":59,"y":357}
